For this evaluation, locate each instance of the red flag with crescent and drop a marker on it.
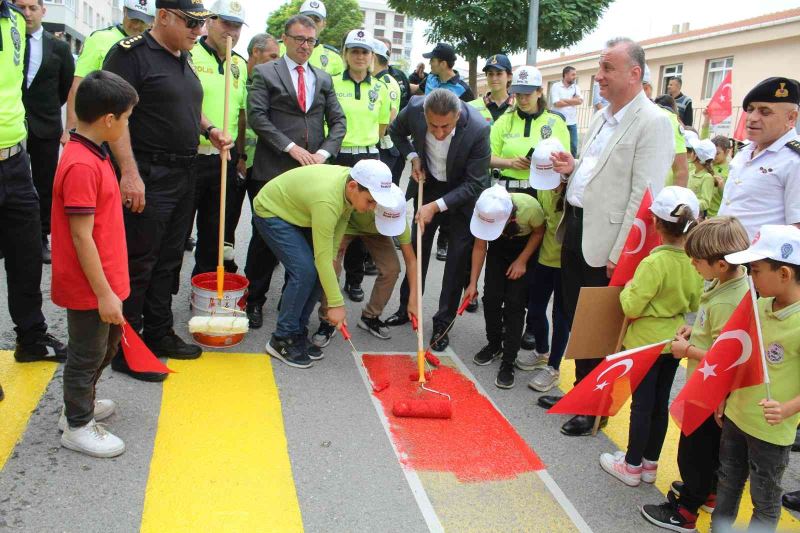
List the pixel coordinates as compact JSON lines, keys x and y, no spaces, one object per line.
{"x":720,"y":106}
{"x":642,"y":238}
{"x":734,"y":361}
{"x":740,"y":133}
{"x":608,"y":387}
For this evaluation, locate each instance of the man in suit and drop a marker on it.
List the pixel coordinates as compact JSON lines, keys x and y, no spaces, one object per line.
{"x":48,"y":70}
{"x":449,"y":150}
{"x":288,"y":103}
{"x":629,"y":145}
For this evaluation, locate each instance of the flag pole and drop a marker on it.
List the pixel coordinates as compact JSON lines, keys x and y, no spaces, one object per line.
{"x":622,"y":332}
{"x":760,"y":339}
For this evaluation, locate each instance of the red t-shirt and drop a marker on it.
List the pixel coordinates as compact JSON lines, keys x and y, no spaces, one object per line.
{"x":85,"y":184}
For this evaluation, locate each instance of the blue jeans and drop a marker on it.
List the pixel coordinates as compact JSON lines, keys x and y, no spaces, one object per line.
{"x":292,"y":246}
{"x":573,"y":139}
{"x":543,"y":282}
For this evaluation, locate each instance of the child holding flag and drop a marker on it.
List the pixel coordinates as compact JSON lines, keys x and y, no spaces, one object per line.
{"x":698,"y":454}
{"x":701,"y":173}
{"x":760,"y":422}
{"x":664,"y":288}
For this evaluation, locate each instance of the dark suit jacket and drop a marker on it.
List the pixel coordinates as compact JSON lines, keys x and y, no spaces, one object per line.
{"x":275,"y":116}
{"x":468,"y":158}
{"x":49,"y":90}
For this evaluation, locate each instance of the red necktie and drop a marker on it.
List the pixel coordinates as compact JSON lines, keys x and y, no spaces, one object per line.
{"x":301,"y":88}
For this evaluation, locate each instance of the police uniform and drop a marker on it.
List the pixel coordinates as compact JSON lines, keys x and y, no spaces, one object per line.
{"x":488,"y":108}
{"x":764,"y":188}
{"x":445,"y":52}
{"x":96,"y":47}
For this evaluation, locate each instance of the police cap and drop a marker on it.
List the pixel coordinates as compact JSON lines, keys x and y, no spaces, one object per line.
{"x":776,"y":89}
{"x":191,"y":8}
{"x":498,"y":62}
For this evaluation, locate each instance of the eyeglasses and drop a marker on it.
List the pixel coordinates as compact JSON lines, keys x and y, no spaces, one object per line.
{"x":190,"y":23}
{"x":312,"y":42}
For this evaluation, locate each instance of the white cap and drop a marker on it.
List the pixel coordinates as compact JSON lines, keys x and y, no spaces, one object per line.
{"x":690,"y":136}
{"x":144,"y":10}
{"x":705,"y":149}
{"x":646,"y":75}
{"x":779,"y":243}
{"x":667,"y":202}
{"x":380,"y":48}
{"x":375,"y":176}
{"x":526,"y":80}
{"x":491,"y":213}
{"x":390,"y":219}
{"x":359,"y":39}
{"x":313,"y":7}
{"x":229,"y":10}
{"x":542,"y":176}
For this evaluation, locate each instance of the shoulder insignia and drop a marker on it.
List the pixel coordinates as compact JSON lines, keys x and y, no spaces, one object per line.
{"x":331,"y":48}
{"x":131,"y":42}
{"x":240,"y":56}
{"x":794,"y":146}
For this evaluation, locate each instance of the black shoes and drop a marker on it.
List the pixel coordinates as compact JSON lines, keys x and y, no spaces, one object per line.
{"x":255,"y":316}
{"x":290,"y":350}
{"x":528,"y":340}
{"x":472,"y":306}
{"x":44,"y":348}
{"x":354,"y":292}
{"x":398,"y":319}
{"x":439,"y":340}
{"x":505,"y":377}
{"x":189,"y":244}
{"x":375,"y":326}
{"x":324,"y":334}
{"x":120,"y":365}
{"x":487,"y":354}
{"x":441,"y":252}
{"x":172,"y":346}
{"x":670,"y":516}
{"x":791,"y":500}
{"x":370,"y":268}
{"x":581,"y":425}
{"x":548,"y":400}
{"x":47,"y":257}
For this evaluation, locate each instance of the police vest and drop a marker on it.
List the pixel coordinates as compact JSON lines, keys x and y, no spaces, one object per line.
{"x":96,"y":48}
{"x":515,"y":136}
{"x":366,"y":106}
{"x":12,"y":54}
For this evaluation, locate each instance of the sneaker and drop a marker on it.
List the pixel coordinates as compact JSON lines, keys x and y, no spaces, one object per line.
{"x":102,"y":410}
{"x":711,"y":502}
{"x":375,"y":326}
{"x":92,"y":439}
{"x":172,"y":346}
{"x":44,"y":348}
{"x":290,"y":351}
{"x":532,"y":360}
{"x":441,"y":252}
{"x":505,"y":376}
{"x":325,"y":332}
{"x":649,"y":471}
{"x":487,"y":354}
{"x":614,"y":464}
{"x":314,"y":352}
{"x":354,"y":292}
{"x":528,"y":341}
{"x":669,"y":516}
{"x":544,"y":379}
{"x":255,"y":316}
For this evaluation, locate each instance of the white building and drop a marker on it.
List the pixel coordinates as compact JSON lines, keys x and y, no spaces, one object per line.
{"x":77,"y":19}
{"x":381,"y":21}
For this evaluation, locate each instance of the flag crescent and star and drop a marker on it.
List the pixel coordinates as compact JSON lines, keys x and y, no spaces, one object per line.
{"x":639,"y":224}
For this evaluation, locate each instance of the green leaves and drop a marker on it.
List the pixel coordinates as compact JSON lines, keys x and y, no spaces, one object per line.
{"x":343,"y":16}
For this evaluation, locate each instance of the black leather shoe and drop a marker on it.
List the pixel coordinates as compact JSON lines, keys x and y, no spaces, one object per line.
{"x":172,"y":346}
{"x":120,"y":365}
{"x":44,"y":348}
{"x":189,"y":244}
{"x":472,"y":306}
{"x":256,"y":316}
{"x":47,"y":257}
{"x":528,"y":341}
{"x":398,"y":319}
{"x":438,"y":341}
{"x":441,"y":253}
{"x":791,"y":500}
{"x":354,"y":292}
{"x":581,"y":425}
{"x":547,"y":401}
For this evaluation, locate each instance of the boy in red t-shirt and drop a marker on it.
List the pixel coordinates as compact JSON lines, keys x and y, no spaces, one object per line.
{"x":90,"y":258}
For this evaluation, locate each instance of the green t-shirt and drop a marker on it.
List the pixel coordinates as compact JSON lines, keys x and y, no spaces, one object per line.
{"x":312,"y":197}
{"x":664,"y":288}
{"x":95,"y":49}
{"x":366,"y":106}
{"x":717,"y":304}
{"x":550,"y":251}
{"x":701,"y":183}
{"x":364,"y":224}
{"x":679,"y":140}
{"x":323,"y":57}
{"x":529,"y":213}
{"x":716,"y":200}
{"x":12,"y":55}
{"x":211,"y":71}
{"x":781,"y":334}
{"x":514,"y":136}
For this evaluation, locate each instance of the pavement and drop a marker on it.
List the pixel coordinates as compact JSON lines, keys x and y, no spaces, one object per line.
{"x":238,"y":441}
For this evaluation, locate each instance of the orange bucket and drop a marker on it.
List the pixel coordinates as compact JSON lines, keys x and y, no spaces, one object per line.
{"x":204,"y":302}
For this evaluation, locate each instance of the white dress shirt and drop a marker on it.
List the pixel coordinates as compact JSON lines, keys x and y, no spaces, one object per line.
{"x":561,"y":92}
{"x":35,"y":57}
{"x":311,"y":84}
{"x":436,"y":151}
{"x":591,"y":154}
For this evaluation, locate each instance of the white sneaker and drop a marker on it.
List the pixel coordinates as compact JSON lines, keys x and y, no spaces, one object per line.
{"x":614,"y":464}
{"x":532,"y":360}
{"x":544,"y":378}
{"x":92,"y":439}
{"x":102,"y":410}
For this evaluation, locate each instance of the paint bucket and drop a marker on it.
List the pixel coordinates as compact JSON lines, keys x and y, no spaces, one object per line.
{"x":204,"y":302}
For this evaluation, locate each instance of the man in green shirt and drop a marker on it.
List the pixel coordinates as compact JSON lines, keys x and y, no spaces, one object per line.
{"x":302,"y":215}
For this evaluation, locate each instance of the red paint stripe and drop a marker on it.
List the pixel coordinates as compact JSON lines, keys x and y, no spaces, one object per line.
{"x":476,"y":444}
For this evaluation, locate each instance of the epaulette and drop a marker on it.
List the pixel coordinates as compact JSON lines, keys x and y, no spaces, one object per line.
{"x":332,"y":48}
{"x":240,"y":55}
{"x":794,"y":146}
{"x":131,"y":42}
{"x":104,"y":29}
{"x":558,"y":114}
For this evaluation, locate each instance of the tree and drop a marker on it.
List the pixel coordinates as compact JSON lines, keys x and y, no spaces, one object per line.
{"x":479,"y":28}
{"x":343,"y":16}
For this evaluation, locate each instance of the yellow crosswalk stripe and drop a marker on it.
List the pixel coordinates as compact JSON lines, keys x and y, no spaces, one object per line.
{"x":220,"y":460}
{"x":24,"y":385}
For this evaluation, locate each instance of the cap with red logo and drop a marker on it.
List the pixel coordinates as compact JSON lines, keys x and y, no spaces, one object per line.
{"x":543,"y":177}
{"x":376,"y":177}
{"x":390,"y":219}
{"x":492,"y":211}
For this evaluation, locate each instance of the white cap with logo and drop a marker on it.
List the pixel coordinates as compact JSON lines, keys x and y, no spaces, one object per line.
{"x":704,"y":149}
{"x":379,"y":48}
{"x":390,"y":219}
{"x":229,"y":10}
{"x":313,"y":7}
{"x":690,"y":137}
{"x":376,"y":177}
{"x":776,"y":242}
{"x":542,"y":176}
{"x":359,"y":39}
{"x":492,"y":211}
{"x":144,"y":10}
{"x":668,"y":202}
{"x":526,"y":80}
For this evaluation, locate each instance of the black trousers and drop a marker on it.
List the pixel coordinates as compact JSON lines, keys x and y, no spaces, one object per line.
{"x":577,"y":273}
{"x":92,"y":344}
{"x":356,"y":252}
{"x":237,"y":192}
{"x":261,"y":262}
{"x":21,"y":244}
{"x":504,"y":299}
{"x":698,"y":461}
{"x":44,"y":160}
{"x":458,"y":255}
{"x":156,"y":239}
{"x":397,"y":166}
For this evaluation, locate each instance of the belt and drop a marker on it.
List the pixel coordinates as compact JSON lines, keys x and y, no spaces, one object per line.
{"x":207,"y":150}
{"x":358,"y":150}
{"x":511,"y":183}
{"x":11,"y":151}
{"x":167,"y":160}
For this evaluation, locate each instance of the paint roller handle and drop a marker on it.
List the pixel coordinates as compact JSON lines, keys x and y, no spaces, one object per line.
{"x":464,"y":305}
{"x":345,"y":332}
{"x":414,"y":323}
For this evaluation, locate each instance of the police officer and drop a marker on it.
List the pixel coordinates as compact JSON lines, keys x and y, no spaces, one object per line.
{"x":380,"y":68}
{"x":20,"y":225}
{"x":324,"y":56}
{"x":497,"y":100}
{"x":156,"y":164}
{"x":208,"y":56}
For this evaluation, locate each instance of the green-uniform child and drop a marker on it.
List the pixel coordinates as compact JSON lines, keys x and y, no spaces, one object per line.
{"x":720,"y":166}
{"x":701,"y":174}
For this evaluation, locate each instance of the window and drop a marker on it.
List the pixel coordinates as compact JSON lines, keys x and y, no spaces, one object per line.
{"x":716,"y":71}
{"x":668,"y":72}
{"x":397,"y":38}
{"x":399,"y":20}
{"x":380,"y":19}
{"x":378,"y":33}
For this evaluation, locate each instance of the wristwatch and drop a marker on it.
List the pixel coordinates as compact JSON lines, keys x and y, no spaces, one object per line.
{"x":207,"y":132}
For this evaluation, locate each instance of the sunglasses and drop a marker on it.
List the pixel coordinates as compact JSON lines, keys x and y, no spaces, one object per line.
{"x":190,"y":23}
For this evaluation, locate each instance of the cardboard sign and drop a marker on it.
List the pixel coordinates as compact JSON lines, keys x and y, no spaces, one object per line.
{"x":599,"y":324}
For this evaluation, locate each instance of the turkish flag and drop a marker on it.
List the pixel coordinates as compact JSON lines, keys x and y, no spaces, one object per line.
{"x":138,"y":355}
{"x":608,"y":387}
{"x":642,"y":238}
{"x":720,"y":107}
{"x":740,"y":134}
{"x":733,"y":362}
